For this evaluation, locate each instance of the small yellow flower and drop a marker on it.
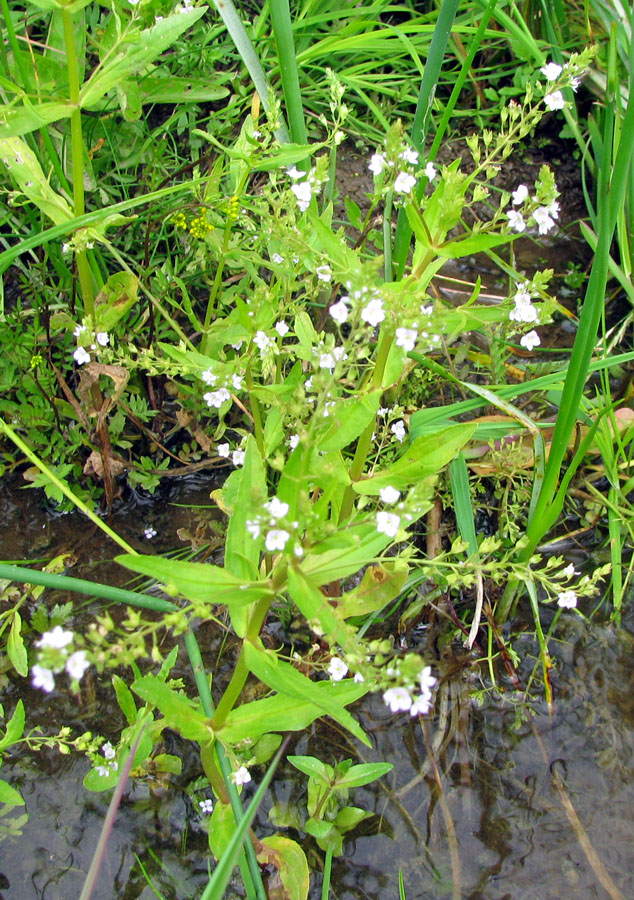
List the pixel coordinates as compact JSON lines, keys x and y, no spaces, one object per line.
{"x":200,"y":227}
{"x":36,"y":360}
{"x":179,"y":220}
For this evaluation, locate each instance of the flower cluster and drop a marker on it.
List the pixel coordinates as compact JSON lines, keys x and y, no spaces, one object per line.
{"x":55,"y":657}
{"x":277,"y":531}
{"x":111,"y":764}
{"x":223,"y":387}
{"x":400,"y":165}
{"x":414,"y":698}
{"x":88,"y":341}
{"x":305,"y":186}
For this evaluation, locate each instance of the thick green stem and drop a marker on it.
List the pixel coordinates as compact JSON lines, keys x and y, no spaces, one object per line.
{"x":255,"y":412}
{"x":77,"y":155}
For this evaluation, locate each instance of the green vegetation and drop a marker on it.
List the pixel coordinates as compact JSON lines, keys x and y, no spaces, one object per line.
{"x":182,"y":291}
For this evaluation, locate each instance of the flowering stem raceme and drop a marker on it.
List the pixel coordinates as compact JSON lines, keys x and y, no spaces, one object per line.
{"x":77,"y":145}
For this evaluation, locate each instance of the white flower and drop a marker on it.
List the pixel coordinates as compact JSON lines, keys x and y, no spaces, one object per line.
{"x":223,"y":450}
{"x":217,"y":398}
{"x":376,"y":164}
{"x":516,"y":220}
{"x":567,"y":599}
{"x":554,"y":101}
{"x":237,"y":381}
{"x":237,"y":457}
{"x":326,"y":361}
{"x":253,"y":528}
{"x":81,"y":356}
{"x":108,"y":750}
{"x":426,"y":680}
{"x":149,"y":532}
{"x":569,"y":571}
{"x":242,"y":776}
{"x":543,"y":219}
{"x":67,"y":247}
{"x":358,"y":678}
{"x":293,"y":441}
{"x":389,"y":494}
{"x":57,"y":638}
{"x":574,"y":84}
{"x":42,"y":678}
{"x":337,"y":669}
{"x":421,"y":705}
{"x":277,"y":508}
{"x":426,"y":310}
{"x":398,"y":699}
{"x":102,"y":338}
{"x":553,"y":209}
{"x":79,"y":329}
{"x":373,"y":313}
{"x":406,"y":338}
{"x":520,"y":194}
{"x":282,"y":328}
{"x":524,"y":312}
{"x":277,"y":258}
{"x":339,"y":312}
{"x":102,"y":771}
{"x":262,"y":340}
{"x":276,"y":539}
{"x":530,"y":340}
{"x":398,"y":430}
{"x":76,"y":664}
{"x":430,"y":171}
{"x":324,"y":273}
{"x":410,"y":156}
{"x":404,"y":183}
{"x":206,"y":807}
{"x":387,"y":523}
{"x":303,"y":193}
{"x":295,"y":173}
{"x":208,"y":377}
{"x":551,"y":71}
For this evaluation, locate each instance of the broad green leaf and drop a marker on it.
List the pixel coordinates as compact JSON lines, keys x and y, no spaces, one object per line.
{"x":16,"y":650}
{"x":115,"y":299}
{"x":135,"y":52}
{"x":15,"y":727}
{"x":197,"y":582}
{"x":168,"y":88}
{"x":26,"y":171}
{"x":347,"y":419}
{"x":290,"y":861}
{"x":222,"y":826}
{"x":284,"y":679}
{"x":180,"y":713}
{"x":24,"y":118}
{"x":167,"y":762}
{"x":9,"y":795}
{"x":261,"y":717}
{"x":310,"y":766}
{"x":317,"y":608}
{"x":475,"y":243}
{"x":380,"y":584}
{"x":362,"y":774}
{"x":426,"y":455}
{"x":273,"y":431}
{"x":344,"y":553}
{"x":349,"y":817}
{"x":125,"y":699}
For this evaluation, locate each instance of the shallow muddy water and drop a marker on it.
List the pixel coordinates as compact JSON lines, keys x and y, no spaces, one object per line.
{"x":492,"y":799}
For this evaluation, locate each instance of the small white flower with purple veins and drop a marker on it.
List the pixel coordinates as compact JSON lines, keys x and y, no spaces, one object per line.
{"x":262,"y":341}
{"x":430,"y":171}
{"x":242,"y":776}
{"x":303,"y":194}
{"x":339,"y":312}
{"x":324,"y":273}
{"x":543,"y":220}
{"x":253,"y":527}
{"x":410,"y":156}
{"x":376,"y":164}
{"x":530,"y":341}
{"x":42,"y":678}
{"x":326,"y":361}
{"x":398,"y":430}
{"x":520,"y":194}
{"x":421,"y":705}
{"x":276,"y":539}
{"x":389,"y":495}
{"x":398,"y":699}
{"x":149,"y":533}
{"x":554,"y":101}
{"x":404,"y":183}
{"x":206,"y":807}
{"x":567,"y":599}
{"x":79,"y":329}
{"x":295,"y":173}
{"x":337,"y":669}
{"x":406,"y":338}
{"x":276,"y":508}
{"x":237,"y":457}
{"x":76,"y":664}
{"x":223,"y":450}
{"x":108,"y":750}
{"x":237,"y":382}
{"x":426,"y":680}
{"x":277,"y":258}
{"x":551,"y":71}
{"x":208,"y":377}
{"x":373,"y":313}
{"x":81,"y":356}
{"x":516,"y":220}
{"x":293,"y":441}
{"x":102,"y":338}
{"x":569,"y":571}
{"x":217,"y":398}
{"x":57,"y":638}
{"x":388,"y":523}
{"x":282,"y":328}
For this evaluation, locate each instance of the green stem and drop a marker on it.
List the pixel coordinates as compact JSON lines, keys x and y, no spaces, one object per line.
{"x":211,"y":303}
{"x":325,"y":885}
{"x":255,"y":411}
{"x":77,"y":153}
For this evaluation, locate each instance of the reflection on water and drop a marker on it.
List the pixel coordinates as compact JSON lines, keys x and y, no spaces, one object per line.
{"x":528,"y":807}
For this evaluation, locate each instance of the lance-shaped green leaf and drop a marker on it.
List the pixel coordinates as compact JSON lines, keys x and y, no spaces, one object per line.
{"x":179,"y":712}
{"x":15,"y":727}
{"x":317,"y":609}
{"x":251,"y":720}
{"x":426,"y":455}
{"x":379,"y":586}
{"x":22,"y":118}
{"x":242,"y":551}
{"x":347,"y":419}
{"x":135,"y":52}
{"x":284,"y":679}
{"x":344,"y":553}
{"x":197,"y":582}
{"x":25,"y":170}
